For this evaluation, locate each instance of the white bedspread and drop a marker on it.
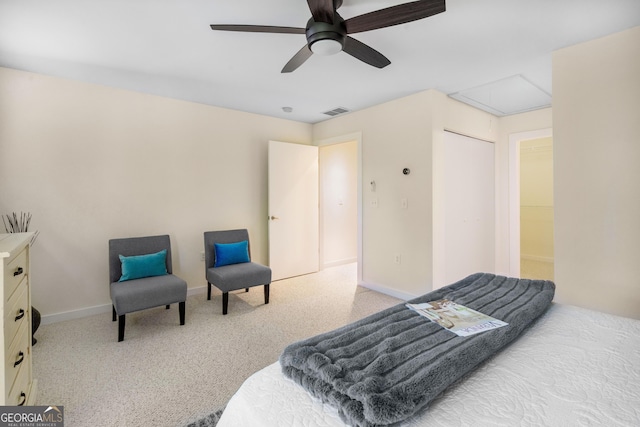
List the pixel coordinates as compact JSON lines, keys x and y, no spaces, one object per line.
{"x":573,"y":367}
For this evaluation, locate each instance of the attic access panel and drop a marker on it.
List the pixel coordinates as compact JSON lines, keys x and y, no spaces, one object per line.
{"x":504,"y":97}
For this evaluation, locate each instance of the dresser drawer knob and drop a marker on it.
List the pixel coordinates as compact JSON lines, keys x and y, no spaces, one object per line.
{"x":23,"y":396}
{"x":20,"y":359}
{"x":20,"y":315}
{"x":18,"y":271}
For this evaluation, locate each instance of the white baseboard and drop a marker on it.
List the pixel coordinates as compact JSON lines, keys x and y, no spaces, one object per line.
{"x":537,"y":258}
{"x":98,"y":309}
{"x":75,"y":314}
{"x":339,"y":262}
{"x":196,"y":291}
{"x":387,"y":291}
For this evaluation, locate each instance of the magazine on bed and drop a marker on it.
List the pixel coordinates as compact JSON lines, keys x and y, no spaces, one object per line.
{"x":457,"y":318}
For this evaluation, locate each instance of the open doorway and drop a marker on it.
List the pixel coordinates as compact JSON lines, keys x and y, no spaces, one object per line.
{"x":536,"y":208}
{"x":531,"y":204}
{"x":340,"y":201}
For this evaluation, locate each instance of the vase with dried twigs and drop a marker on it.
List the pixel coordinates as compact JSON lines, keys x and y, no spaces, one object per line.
{"x":15,"y":223}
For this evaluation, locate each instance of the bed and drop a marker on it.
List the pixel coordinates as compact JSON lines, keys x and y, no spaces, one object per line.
{"x":571,"y":366}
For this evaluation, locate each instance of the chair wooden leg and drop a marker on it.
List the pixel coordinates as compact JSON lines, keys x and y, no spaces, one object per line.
{"x":266,"y":294}
{"x":120,"y":328}
{"x":208,"y":291}
{"x":182,"y":311}
{"x":225,"y":302}
{"x":168,"y":306}
{"x":113,"y":319}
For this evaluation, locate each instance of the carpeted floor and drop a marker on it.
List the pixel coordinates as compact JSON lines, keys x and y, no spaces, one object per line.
{"x":164,"y":374}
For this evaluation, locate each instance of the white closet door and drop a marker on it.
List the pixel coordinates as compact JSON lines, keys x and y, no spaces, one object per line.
{"x":469,"y":206}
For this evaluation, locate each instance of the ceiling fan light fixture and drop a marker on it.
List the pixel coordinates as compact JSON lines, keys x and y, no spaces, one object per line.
{"x":326,"y":47}
{"x":327,"y":32}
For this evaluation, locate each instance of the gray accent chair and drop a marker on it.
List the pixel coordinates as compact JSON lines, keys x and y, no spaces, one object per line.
{"x":235,"y":276}
{"x":147,"y":292}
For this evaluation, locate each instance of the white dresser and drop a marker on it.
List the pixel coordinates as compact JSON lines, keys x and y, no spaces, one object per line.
{"x":18,"y":386}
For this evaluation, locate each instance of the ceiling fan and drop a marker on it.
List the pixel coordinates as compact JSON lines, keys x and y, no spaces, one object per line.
{"x":328,"y":33}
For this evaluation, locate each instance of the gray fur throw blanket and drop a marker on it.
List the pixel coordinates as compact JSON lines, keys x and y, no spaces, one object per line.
{"x":384,"y":368}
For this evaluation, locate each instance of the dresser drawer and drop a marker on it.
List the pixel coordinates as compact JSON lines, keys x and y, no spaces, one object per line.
{"x":14,"y":272}
{"x":17,"y":357}
{"x":17,"y":312}
{"x":19,"y":393}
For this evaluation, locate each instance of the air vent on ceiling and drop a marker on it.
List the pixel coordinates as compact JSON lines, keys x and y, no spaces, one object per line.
{"x":336,"y":111}
{"x":504,"y":97}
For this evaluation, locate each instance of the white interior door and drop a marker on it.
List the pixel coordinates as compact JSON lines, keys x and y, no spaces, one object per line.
{"x":469,"y":211}
{"x":293,"y":209}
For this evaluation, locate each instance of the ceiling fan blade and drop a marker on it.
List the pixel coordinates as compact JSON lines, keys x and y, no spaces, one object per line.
{"x":321,"y":10}
{"x":365,"y":53}
{"x":298,"y":59}
{"x":394,"y":15}
{"x":259,"y":29}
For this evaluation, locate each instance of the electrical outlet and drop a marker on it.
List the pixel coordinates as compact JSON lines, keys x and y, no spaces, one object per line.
{"x":398,"y":259}
{"x":202,"y":256}
{"x":374,"y":202}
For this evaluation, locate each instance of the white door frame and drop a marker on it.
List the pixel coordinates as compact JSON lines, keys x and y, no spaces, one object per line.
{"x":514,"y":193}
{"x":355,"y":136}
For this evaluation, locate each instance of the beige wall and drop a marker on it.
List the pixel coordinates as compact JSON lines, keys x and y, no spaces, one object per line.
{"x":404,"y":133}
{"x":99,"y":163}
{"x":395,"y":135}
{"x":596,"y":117}
{"x":93,"y":163}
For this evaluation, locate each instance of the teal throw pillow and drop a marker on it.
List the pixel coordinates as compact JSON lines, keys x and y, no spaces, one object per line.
{"x":139,"y":266}
{"x":231,"y":253}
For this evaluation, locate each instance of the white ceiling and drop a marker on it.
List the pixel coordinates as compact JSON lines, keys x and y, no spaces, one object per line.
{"x":166,"y":47}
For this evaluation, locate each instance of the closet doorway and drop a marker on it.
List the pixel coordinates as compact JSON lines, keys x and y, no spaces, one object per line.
{"x":536,"y":208}
{"x":532,"y":207}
